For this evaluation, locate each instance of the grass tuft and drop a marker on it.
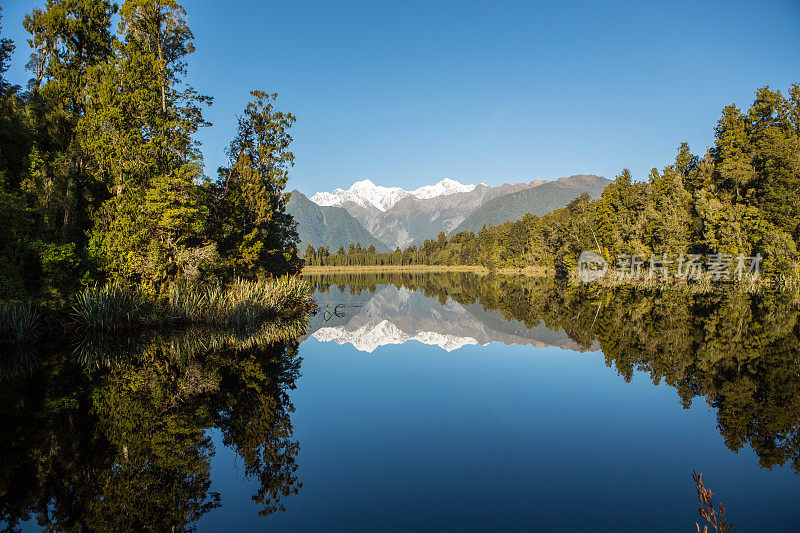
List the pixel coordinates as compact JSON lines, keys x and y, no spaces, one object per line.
{"x":242,"y":304}
{"x":19,"y":322}
{"x":110,"y":306}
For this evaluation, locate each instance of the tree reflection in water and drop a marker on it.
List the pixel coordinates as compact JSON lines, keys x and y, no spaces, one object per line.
{"x":113,"y":435}
{"x":739,"y":351}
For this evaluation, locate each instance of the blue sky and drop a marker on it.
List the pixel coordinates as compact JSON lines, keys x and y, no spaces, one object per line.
{"x":407,"y":93}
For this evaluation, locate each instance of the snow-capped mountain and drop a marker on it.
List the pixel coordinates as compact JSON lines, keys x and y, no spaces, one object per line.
{"x":365,"y":193}
{"x":445,"y":187}
{"x":398,"y":218}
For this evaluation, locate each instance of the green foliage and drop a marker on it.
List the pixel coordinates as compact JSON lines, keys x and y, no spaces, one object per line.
{"x":256,"y":234}
{"x":61,"y":266}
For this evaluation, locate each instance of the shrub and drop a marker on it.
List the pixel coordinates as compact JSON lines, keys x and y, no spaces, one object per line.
{"x":19,"y":322}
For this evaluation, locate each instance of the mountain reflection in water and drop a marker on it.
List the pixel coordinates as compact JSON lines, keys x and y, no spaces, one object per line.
{"x":394,"y":315}
{"x":115,"y":432}
{"x":740,"y":351}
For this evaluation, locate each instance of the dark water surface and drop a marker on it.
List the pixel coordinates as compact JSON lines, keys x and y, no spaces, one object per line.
{"x":419,"y":402}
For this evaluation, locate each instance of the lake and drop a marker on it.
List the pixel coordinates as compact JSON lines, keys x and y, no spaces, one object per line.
{"x":427,"y":401}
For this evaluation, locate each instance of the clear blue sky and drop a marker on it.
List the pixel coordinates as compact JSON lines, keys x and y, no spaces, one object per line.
{"x":407,"y":92}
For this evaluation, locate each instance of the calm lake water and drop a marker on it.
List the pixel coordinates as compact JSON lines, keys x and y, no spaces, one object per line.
{"x":419,"y":402}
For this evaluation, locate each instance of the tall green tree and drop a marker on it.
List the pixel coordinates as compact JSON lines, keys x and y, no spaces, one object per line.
{"x":68,"y":38}
{"x":257,"y":235}
{"x":140,"y":129}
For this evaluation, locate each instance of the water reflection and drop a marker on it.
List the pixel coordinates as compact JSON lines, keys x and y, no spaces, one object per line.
{"x":112,"y":432}
{"x":395,"y":314}
{"x":740,"y":352}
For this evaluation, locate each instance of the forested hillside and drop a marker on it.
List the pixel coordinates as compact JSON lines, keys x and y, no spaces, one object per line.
{"x":540,"y":200}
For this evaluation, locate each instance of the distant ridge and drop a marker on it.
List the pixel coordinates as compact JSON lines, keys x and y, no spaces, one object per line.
{"x":399,"y":218}
{"x":539,"y":200}
{"x":328,"y":226}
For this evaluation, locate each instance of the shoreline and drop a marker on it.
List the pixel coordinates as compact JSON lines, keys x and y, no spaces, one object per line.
{"x":527,"y":271}
{"x":541,"y":272}
{"x":113,"y":308}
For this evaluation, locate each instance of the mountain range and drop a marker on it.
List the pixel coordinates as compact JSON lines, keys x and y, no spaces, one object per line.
{"x":538,"y":201}
{"x":391,"y":217}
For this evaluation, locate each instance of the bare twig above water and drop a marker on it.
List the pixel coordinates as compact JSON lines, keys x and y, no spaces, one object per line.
{"x":340,"y":311}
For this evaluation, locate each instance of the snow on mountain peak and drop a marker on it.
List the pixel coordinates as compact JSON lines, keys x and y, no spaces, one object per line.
{"x":366,"y":193}
{"x":443,"y":188}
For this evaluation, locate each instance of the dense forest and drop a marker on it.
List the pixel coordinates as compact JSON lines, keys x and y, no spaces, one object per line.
{"x":742,"y":198}
{"x":101,"y":177}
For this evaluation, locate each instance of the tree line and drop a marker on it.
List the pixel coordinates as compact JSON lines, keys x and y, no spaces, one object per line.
{"x":741,"y":198}
{"x":101,"y":176}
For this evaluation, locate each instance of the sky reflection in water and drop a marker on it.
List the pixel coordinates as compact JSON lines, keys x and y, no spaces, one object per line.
{"x":427,"y":401}
{"x":396,"y":434}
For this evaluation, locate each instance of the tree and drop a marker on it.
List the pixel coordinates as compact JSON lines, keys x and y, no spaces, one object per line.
{"x":732,"y":155}
{"x":6,"y":49}
{"x":775,"y":144}
{"x":68,"y":38}
{"x":309,"y":256}
{"x":139,"y":126}
{"x":259,"y":236}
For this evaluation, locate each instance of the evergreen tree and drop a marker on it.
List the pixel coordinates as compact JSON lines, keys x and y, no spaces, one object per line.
{"x":259,"y":236}
{"x":139,"y":127}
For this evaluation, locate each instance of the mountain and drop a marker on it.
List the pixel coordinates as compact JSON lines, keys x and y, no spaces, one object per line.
{"x":395,"y":216}
{"x":399,"y":218}
{"x":327,"y":225}
{"x":539,"y":200}
{"x":366,"y":194}
{"x":412,"y":220}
